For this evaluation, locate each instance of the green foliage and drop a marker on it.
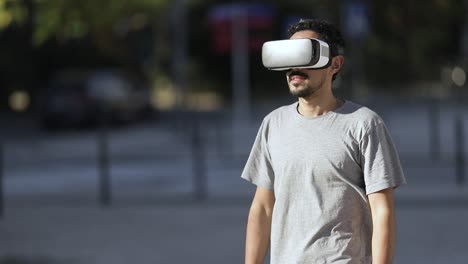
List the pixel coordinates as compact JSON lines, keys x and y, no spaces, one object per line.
{"x":67,"y":19}
{"x":10,"y":11}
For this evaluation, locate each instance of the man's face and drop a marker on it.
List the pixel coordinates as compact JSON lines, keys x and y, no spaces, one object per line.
{"x":305,"y":82}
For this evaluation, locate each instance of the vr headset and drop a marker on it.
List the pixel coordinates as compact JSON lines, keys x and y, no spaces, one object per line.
{"x":280,"y":55}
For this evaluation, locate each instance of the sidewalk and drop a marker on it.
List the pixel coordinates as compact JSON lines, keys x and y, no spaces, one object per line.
{"x":188,"y":232}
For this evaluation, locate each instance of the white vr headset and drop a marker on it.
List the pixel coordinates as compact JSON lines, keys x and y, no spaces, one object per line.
{"x":286,"y":54}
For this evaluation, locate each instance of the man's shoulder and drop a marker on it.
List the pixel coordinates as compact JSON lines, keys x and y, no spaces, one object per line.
{"x":362,"y":115}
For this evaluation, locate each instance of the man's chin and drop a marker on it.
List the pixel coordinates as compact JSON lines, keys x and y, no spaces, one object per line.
{"x":300,"y":93}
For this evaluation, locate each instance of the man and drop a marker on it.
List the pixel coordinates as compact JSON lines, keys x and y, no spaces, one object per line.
{"x":325,"y":171}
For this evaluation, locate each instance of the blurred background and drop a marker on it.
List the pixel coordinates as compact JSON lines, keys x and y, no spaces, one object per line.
{"x":125,"y":125}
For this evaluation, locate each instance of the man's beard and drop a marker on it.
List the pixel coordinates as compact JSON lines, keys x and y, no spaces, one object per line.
{"x":305,"y":91}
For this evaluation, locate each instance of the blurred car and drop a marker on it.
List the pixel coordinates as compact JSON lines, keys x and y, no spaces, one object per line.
{"x":77,"y":99}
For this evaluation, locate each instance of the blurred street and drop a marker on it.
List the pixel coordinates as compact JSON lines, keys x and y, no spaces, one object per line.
{"x":53,"y":215}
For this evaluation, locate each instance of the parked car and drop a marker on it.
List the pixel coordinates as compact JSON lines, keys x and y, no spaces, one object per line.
{"x":76,"y":98}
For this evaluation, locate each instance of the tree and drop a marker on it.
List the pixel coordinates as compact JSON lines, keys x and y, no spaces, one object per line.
{"x":31,"y":28}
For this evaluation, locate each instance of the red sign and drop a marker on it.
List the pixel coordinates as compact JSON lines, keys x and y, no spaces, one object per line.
{"x":259,"y":19}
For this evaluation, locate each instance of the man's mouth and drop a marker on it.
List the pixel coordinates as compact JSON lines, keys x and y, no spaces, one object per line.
{"x":297,"y":76}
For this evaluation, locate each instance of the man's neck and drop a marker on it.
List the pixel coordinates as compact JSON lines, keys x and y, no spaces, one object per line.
{"x":314,"y":106}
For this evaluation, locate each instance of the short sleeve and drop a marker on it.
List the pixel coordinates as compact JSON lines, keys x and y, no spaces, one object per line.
{"x":258,"y":169}
{"x":380,"y":162}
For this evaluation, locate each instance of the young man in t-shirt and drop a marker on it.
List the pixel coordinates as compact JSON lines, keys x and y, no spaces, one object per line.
{"x":325,"y":171}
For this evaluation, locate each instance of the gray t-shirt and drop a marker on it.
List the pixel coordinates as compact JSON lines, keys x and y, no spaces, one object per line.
{"x":321,"y":170}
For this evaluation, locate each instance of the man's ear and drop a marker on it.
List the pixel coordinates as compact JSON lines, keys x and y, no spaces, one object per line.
{"x":337,"y":63}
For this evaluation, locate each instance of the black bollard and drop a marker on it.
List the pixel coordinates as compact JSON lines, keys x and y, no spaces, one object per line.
{"x":219,"y":137}
{"x":2,"y":197}
{"x":103,"y":161}
{"x":434,"y":132}
{"x":459,"y":151}
{"x":198,"y":163}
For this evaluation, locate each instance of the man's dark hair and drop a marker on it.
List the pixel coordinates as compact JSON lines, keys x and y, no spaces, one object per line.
{"x":326,"y":31}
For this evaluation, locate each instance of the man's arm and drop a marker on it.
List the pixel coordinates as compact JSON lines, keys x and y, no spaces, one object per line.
{"x":259,"y":226}
{"x":384,"y":226}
